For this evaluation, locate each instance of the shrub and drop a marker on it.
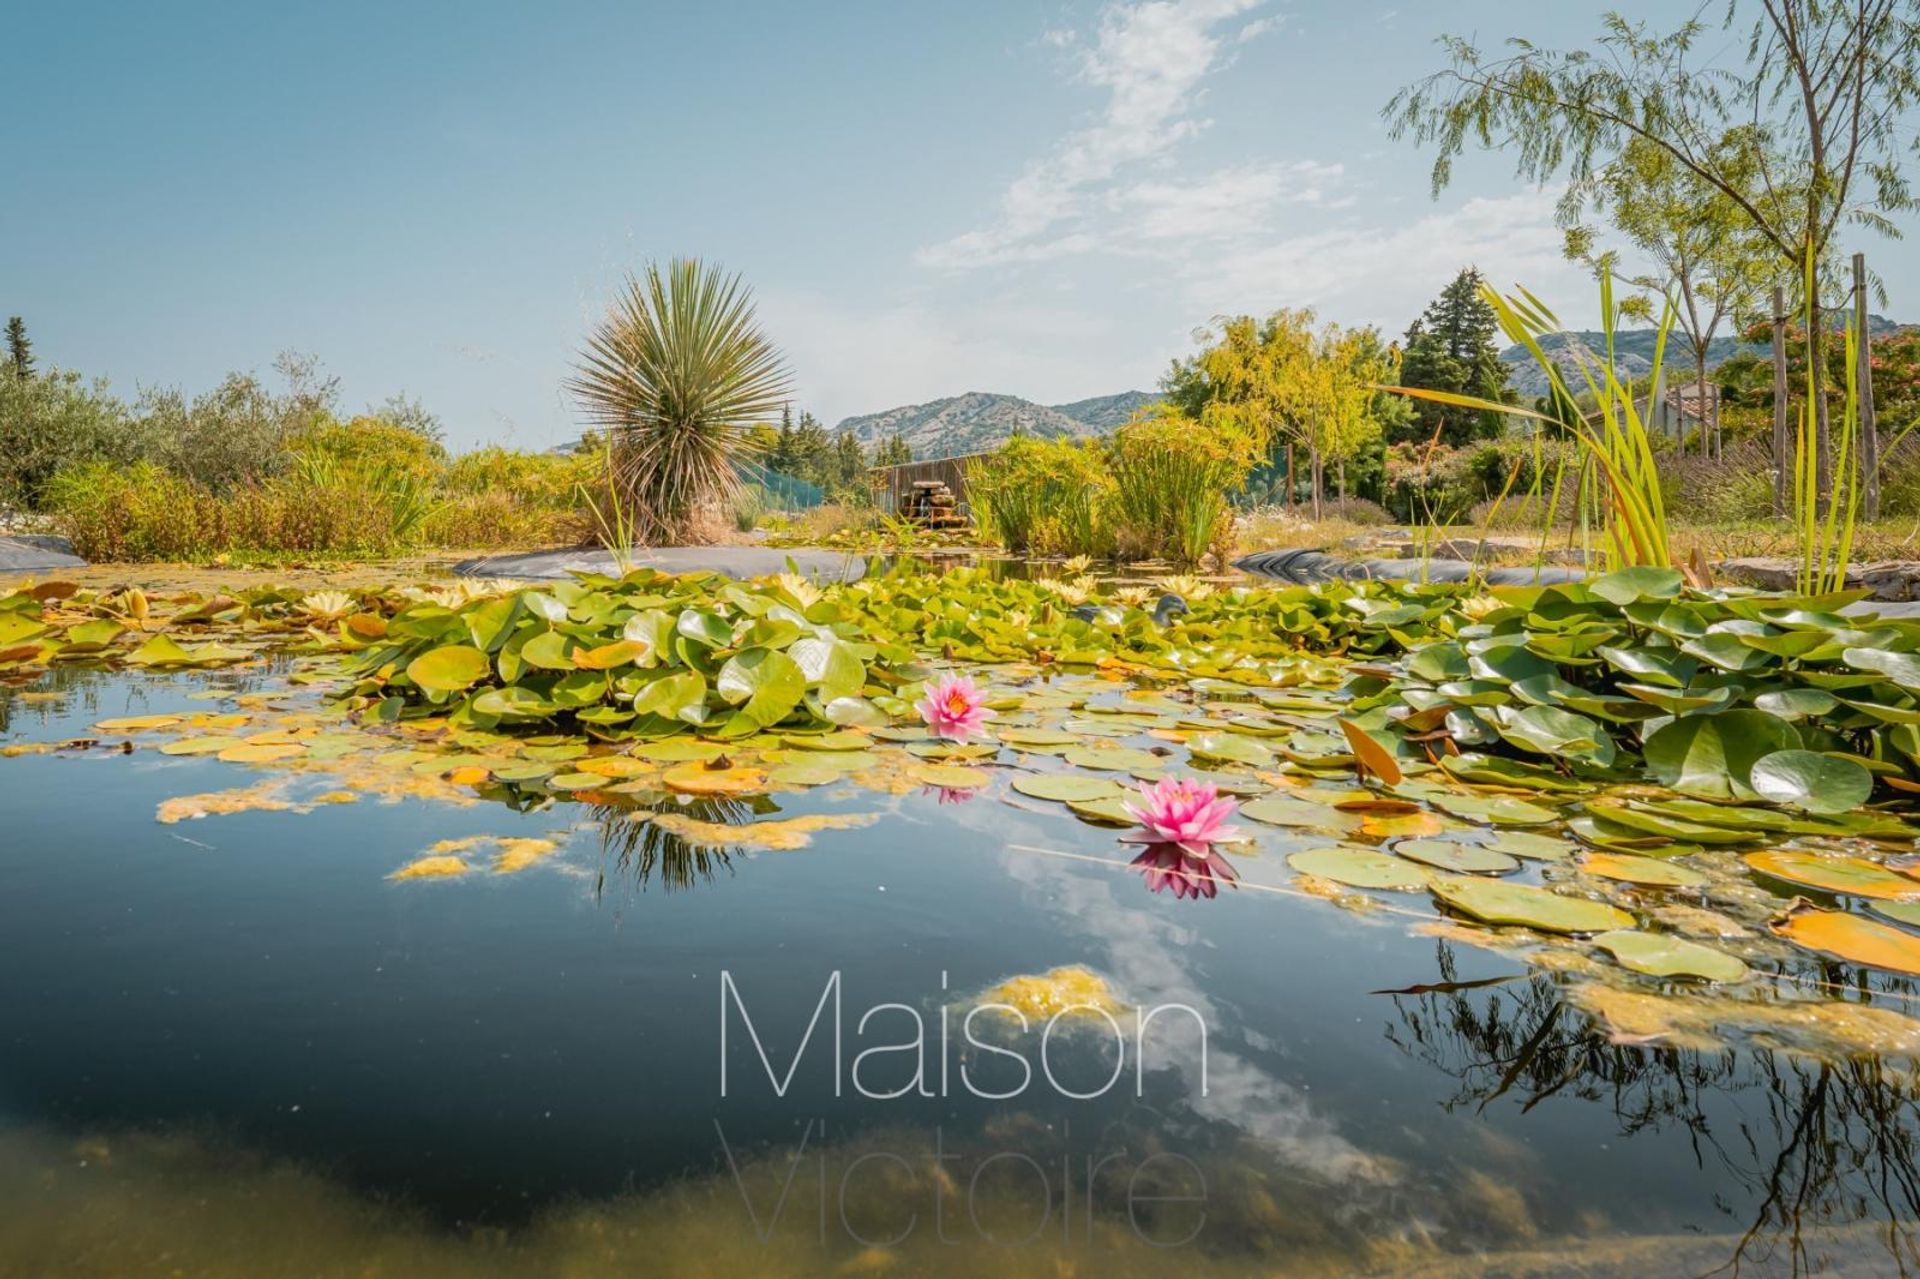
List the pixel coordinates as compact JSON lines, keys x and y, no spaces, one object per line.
{"x":370,"y":446}
{"x":144,"y":512}
{"x":1043,"y":497}
{"x":52,"y":420}
{"x":1171,"y":483}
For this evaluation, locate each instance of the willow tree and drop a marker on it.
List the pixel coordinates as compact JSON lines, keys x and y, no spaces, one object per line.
{"x":1285,"y":384}
{"x":1704,"y":257}
{"x":1822,"y":87}
{"x":677,"y":375}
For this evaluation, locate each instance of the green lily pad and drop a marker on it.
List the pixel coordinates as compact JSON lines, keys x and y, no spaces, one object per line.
{"x":1498,"y":901}
{"x":1532,"y":846}
{"x":1106,"y":811}
{"x":1066,"y":787}
{"x":1502,"y":810}
{"x":1465,"y":859}
{"x":1230,"y":748}
{"x":1119,"y":759}
{"x":1712,"y":755}
{"x":1663,"y":955}
{"x":1282,"y":809}
{"x":1359,"y":868}
{"x":1811,"y":782}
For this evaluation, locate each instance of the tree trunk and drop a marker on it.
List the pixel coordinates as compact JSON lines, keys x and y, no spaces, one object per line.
{"x":1780,"y":474}
{"x":1340,"y":477}
{"x":1289,"y":472}
{"x":1869,"y":436}
{"x":1318,"y":467}
{"x":1700,"y":401}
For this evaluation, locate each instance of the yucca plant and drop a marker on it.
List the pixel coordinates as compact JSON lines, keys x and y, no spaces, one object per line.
{"x":677,"y":374}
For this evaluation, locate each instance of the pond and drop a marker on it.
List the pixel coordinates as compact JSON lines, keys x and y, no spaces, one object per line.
{"x":333,"y":1010}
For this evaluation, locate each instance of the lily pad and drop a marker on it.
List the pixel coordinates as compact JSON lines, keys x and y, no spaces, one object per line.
{"x":1359,"y":868}
{"x":1851,"y":876}
{"x":1465,"y":859}
{"x":956,"y":776}
{"x":1651,"y":872}
{"x":1712,"y":754}
{"x":1850,"y":937}
{"x":1663,"y":955}
{"x":1811,"y":782}
{"x":1120,"y":759}
{"x":1497,"y":901}
{"x":1066,"y":787}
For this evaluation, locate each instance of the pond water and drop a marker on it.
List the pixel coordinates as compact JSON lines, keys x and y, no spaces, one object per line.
{"x":239,"y":1045}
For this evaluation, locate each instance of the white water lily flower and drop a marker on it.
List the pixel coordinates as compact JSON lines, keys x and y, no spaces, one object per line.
{"x":1186,"y":586}
{"x":799,"y":586}
{"x":327,"y":605}
{"x":1134,"y":596}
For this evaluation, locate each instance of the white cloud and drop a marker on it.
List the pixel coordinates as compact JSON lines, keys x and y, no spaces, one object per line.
{"x":1150,"y":57}
{"x":1230,"y":203}
{"x":1357,"y":273}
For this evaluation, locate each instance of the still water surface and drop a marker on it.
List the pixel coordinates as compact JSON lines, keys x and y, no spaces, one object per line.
{"x":235,"y":1045}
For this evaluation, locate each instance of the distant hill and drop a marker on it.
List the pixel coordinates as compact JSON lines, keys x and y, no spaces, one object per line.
{"x":1633,"y":349}
{"x":980,"y":420}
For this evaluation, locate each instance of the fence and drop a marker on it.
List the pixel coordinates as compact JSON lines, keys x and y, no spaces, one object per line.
{"x":891,"y":483}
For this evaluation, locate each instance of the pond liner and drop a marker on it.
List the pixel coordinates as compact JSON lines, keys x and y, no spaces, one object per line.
{"x":36,"y":553}
{"x":1306,"y":566}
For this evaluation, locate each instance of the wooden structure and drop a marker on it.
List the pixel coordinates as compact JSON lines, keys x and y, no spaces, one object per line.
{"x":894,"y":486}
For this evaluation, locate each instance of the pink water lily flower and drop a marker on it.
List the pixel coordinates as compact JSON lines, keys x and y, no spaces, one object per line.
{"x":954,"y":707}
{"x":1181,"y":811}
{"x":1167,"y":868}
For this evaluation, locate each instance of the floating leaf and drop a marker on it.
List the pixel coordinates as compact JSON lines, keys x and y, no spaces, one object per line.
{"x":1231,"y":748}
{"x":1447,"y":854}
{"x":1114,"y":758}
{"x":1651,"y":872}
{"x":1502,"y":810}
{"x":1811,"y":782}
{"x":698,"y":779}
{"x":1359,"y":868}
{"x":1833,"y":873}
{"x":1713,"y":754}
{"x":1663,"y":955}
{"x":449,"y":669}
{"x":1108,"y":811}
{"x":1849,"y":937}
{"x":1497,"y":901}
{"x":1066,"y":787}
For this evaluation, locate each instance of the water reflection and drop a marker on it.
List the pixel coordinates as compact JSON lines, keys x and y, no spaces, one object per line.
{"x":1817,"y":1146}
{"x":1170,"y":868}
{"x":637,"y":852}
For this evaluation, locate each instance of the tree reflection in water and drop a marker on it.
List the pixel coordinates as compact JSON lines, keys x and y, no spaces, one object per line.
{"x":637,"y":852}
{"x":1817,"y":1145}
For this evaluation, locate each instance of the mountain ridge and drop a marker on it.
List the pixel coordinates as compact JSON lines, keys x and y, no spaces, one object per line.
{"x":975,"y":421}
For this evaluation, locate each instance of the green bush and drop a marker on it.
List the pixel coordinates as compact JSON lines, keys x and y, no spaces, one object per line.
{"x":144,"y":512}
{"x":1043,"y":497}
{"x":52,"y":420}
{"x":1172,"y":481}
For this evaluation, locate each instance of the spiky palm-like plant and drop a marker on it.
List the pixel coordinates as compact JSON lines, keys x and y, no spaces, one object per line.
{"x":677,"y":374}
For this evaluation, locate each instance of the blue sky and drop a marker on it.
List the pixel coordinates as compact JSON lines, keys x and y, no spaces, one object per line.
{"x":1028,"y":196}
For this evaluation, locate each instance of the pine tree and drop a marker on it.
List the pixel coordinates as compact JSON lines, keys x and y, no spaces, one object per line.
{"x":19,"y":348}
{"x":893,"y":451}
{"x":1451,"y":348}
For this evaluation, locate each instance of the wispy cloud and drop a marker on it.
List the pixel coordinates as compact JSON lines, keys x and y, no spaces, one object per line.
{"x":1151,"y":58}
{"x":1359,"y":271}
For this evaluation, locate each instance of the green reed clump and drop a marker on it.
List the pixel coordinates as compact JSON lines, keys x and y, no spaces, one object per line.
{"x":1043,"y":497}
